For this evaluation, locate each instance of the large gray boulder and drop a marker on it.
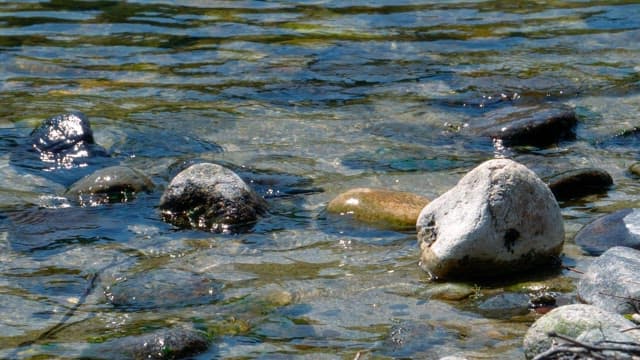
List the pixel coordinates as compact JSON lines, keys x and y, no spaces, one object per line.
{"x":211,"y":197}
{"x":576,"y":321}
{"x":499,"y":219}
{"x":611,"y":281}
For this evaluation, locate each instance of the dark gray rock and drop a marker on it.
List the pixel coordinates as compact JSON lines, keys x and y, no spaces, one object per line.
{"x":579,"y":182}
{"x":162,"y":289}
{"x":611,"y":282}
{"x":163,"y":344}
{"x":621,"y":228}
{"x":498,"y":220}
{"x":210,"y":197}
{"x":112,"y":184}
{"x":541,"y":125}
{"x":65,"y":140}
{"x":572,"y":321}
{"x":505,"y":306}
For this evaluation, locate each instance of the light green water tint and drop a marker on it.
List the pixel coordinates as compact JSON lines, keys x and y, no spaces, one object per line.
{"x":331,"y":94}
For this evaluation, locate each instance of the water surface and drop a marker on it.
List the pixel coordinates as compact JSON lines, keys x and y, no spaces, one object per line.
{"x":305,"y":99}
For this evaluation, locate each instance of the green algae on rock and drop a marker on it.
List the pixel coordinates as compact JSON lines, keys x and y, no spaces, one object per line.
{"x":397,"y":210}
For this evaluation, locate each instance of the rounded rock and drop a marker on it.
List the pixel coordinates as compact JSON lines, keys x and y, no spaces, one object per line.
{"x":499,"y":219}
{"x":112,"y":184}
{"x":211,"y":197}
{"x":579,"y":182}
{"x":609,"y":281}
{"x":396,"y":210}
{"x":620,"y":228}
{"x":572,"y":321}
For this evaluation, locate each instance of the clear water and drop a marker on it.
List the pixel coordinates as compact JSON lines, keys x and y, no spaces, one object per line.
{"x":305,"y":99}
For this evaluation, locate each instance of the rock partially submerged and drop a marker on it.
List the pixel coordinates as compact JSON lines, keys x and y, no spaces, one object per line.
{"x":579,"y":182}
{"x":211,"y":197}
{"x":575,"y":321}
{"x":499,"y":219}
{"x":538,"y":125}
{"x":396,"y":210}
{"x":112,"y":184}
{"x":611,"y":282}
{"x":620,"y":228}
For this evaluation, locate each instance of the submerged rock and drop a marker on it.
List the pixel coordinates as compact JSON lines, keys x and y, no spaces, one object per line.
{"x":382,"y":208}
{"x":112,"y":184}
{"x":505,"y":305}
{"x":172,"y":343}
{"x":610,"y":283}
{"x":579,"y":182}
{"x":573,"y":321}
{"x":538,"y":126}
{"x":210,"y":197}
{"x":162,"y":289}
{"x":621,"y":228}
{"x":498,"y":220}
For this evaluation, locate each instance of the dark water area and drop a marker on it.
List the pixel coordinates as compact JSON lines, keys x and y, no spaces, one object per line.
{"x":304,"y":100}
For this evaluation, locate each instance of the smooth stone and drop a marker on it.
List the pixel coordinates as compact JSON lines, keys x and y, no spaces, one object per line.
{"x":112,"y":184}
{"x":505,"y":305}
{"x":635,"y":169}
{"x":579,"y":182}
{"x":211,"y":197}
{"x":382,"y":208}
{"x":610,"y":281}
{"x":164,"y":288}
{"x":499,"y":219}
{"x":447,"y":291}
{"x":65,"y":140}
{"x":171,"y":343}
{"x":572,"y":321}
{"x":538,"y":125}
{"x":620,"y":228}
{"x":412,"y":339}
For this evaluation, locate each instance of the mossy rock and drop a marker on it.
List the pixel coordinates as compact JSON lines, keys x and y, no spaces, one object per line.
{"x":396,"y":210}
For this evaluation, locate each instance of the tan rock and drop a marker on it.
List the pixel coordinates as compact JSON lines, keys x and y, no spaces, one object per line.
{"x":396,"y":210}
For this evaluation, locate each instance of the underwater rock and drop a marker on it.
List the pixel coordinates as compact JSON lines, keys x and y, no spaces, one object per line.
{"x":538,"y":125}
{"x":162,"y":289}
{"x":498,"y":220}
{"x":579,"y":182}
{"x":610,"y":283}
{"x":396,"y":210}
{"x":620,"y":228}
{"x":210,"y":197}
{"x":172,"y":343}
{"x":505,"y":305}
{"x":572,"y":321}
{"x":112,"y":184}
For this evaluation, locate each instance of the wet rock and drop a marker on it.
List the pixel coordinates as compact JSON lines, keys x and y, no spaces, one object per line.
{"x":498,"y":220}
{"x":620,"y":228}
{"x":382,"y":208}
{"x":505,"y":305}
{"x":537,"y":125}
{"x":172,"y":343}
{"x":65,"y":140}
{"x":447,"y":291}
{"x":579,"y":182}
{"x":112,"y":184}
{"x":572,"y":321}
{"x":610,"y":283}
{"x":409,"y":339}
{"x":162,"y":289}
{"x":62,"y":148}
{"x":635,"y":169}
{"x":210,"y":197}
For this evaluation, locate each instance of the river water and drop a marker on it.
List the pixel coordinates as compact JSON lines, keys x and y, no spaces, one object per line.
{"x":305,"y":100}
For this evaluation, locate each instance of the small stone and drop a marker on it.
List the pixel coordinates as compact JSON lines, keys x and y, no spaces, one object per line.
{"x":572,"y":321}
{"x":447,"y":291}
{"x":620,"y":228}
{"x":396,"y":210}
{"x":635,"y":169}
{"x":211,"y":197}
{"x":579,"y":182}
{"x":505,"y":306}
{"x":499,"y":219}
{"x":538,"y":126}
{"x":112,"y":184}
{"x":610,"y":281}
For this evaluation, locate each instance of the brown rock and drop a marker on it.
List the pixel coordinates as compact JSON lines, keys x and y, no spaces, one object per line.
{"x":396,"y":210}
